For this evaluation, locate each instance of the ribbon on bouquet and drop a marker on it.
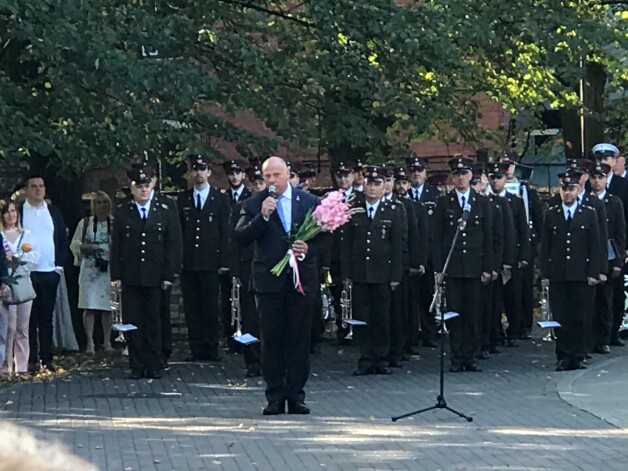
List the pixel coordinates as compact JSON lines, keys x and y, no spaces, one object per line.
{"x":294,"y":264}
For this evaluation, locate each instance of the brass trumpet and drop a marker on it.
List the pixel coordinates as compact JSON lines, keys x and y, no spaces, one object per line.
{"x":236,"y":310}
{"x":346,"y":306}
{"x":546,"y":311}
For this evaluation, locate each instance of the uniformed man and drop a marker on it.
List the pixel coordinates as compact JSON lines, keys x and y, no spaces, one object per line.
{"x":421,"y":191}
{"x":372,"y":262}
{"x":534,"y":215}
{"x":143,"y":257}
{"x":471,"y":262}
{"x":570,"y":260}
{"x":513,"y":299}
{"x":204,"y":216}
{"x":235,"y":175}
{"x":294,"y":176}
{"x":358,"y":176}
{"x":618,"y":186}
{"x":603,"y":316}
{"x":240,"y":268}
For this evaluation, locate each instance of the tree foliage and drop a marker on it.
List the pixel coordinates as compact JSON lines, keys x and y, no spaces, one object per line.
{"x":91,"y":82}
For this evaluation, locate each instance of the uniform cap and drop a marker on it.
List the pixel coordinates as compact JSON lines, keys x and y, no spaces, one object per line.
{"x":255,"y":173}
{"x":400,"y":174}
{"x":460,"y":164}
{"x":498,"y":169}
{"x":477,"y":172}
{"x":600,"y":168}
{"x":416,"y":163}
{"x":358,"y":166}
{"x":140,"y":175}
{"x":583,"y":165}
{"x":344,"y":169}
{"x":373,"y":173}
{"x":605,"y":149}
{"x":509,"y":158}
{"x":569,"y":180}
{"x":199,"y":162}
{"x":389,"y":170}
{"x":233,"y":166}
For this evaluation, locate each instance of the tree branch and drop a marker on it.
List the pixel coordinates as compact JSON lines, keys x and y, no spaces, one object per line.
{"x":278,"y":14}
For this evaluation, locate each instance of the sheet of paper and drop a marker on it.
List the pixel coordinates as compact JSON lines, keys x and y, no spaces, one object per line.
{"x":245,"y":339}
{"x":355,"y":322}
{"x":123,"y":327}
{"x":450,"y":315}
{"x":548,"y":324}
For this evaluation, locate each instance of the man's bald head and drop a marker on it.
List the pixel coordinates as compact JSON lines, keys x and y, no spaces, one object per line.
{"x":276,"y":173}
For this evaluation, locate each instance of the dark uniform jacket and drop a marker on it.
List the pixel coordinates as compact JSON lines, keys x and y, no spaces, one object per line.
{"x":246,"y":193}
{"x":616,"y":230}
{"x":522,"y":231}
{"x":337,"y":237}
{"x":271,"y":242}
{"x":205,"y":232}
{"x":473,"y":253}
{"x":570,"y":251}
{"x":372,"y":249}
{"x":409,"y":253}
{"x":595,"y":203}
{"x":145,"y":252}
{"x":619,"y":187}
{"x":429,"y":197}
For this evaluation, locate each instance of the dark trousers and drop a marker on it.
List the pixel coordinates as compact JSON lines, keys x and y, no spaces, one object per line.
{"x":166,"y":324}
{"x":141,"y":307}
{"x":487,"y":315}
{"x":427,"y":325}
{"x":318,"y":327}
{"x":512,"y":303}
{"x":570,"y":301}
{"x":40,"y":325}
{"x":603,"y":314}
{"x":250,"y":319}
{"x":496,"y":334}
{"x":200,"y":301}
{"x":527,"y":297}
{"x":399,"y":321}
{"x":285,"y":321}
{"x":619,"y":302}
{"x":463,"y":296}
{"x":371,"y":304}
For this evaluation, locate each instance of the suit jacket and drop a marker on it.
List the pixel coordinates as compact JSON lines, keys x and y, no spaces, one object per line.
{"x":616,"y":229}
{"x":271,"y":243}
{"x":60,"y":234}
{"x":521,"y":234}
{"x":473,"y":252}
{"x":205,"y":232}
{"x":508,"y":244}
{"x":372,"y":250}
{"x":570,"y":251}
{"x":145,"y":252}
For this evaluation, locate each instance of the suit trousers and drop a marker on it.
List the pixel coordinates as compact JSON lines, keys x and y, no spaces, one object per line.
{"x":250,"y":319}
{"x":603,"y":315}
{"x":513,"y":303}
{"x":399,"y":321}
{"x":527,"y":297}
{"x":141,"y":307}
{"x":463,"y":296}
{"x":371,"y":304}
{"x":285,"y":324}
{"x":570,"y":301}
{"x":200,"y":301}
{"x":40,"y":325}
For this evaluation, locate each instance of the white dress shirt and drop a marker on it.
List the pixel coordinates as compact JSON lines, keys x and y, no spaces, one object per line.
{"x":374,"y":206}
{"x":38,"y":221}
{"x":571,"y":208}
{"x":204,"y":192}
{"x":418,"y":191}
{"x":466,"y":196}
{"x":146,"y":206}
{"x":238,"y":191}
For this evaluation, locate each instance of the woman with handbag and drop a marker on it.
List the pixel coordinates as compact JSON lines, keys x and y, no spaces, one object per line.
{"x":19,"y":247}
{"x":90,"y":246}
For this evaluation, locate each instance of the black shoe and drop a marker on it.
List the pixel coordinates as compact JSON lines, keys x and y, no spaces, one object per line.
{"x":50,"y":367}
{"x":511,"y":343}
{"x":494,"y":350}
{"x":562,"y":366}
{"x":363,"y":372}
{"x":164,"y":365}
{"x":136,"y":374}
{"x":455,"y":369}
{"x":430,"y":343}
{"x":587,"y":355}
{"x":413,"y":350}
{"x":484,"y":355}
{"x":382,"y":370}
{"x":152,"y":374}
{"x":473,"y":367}
{"x":296,"y":407}
{"x":578,"y":365}
{"x":603,"y":349}
{"x":33,"y":367}
{"x":616,"y":341}
{"x":253,"y":373}
{"x":395,"y":364}
{"x":275,"y":408}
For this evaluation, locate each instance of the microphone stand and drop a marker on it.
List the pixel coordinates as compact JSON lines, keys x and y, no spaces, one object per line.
{"x":439,"y":294}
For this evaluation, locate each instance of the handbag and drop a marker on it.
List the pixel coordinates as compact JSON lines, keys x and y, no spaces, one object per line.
{"x":22,"y":290}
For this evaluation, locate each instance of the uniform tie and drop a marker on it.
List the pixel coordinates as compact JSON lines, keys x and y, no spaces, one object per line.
{"x":463,"y":200}
{"x":371,"y":211}
{"x":416,"y":194}
{"x":199,"y":206}
{"x":144,"y":215}
{"x":235,"y":197}
{"x":569,"y":218}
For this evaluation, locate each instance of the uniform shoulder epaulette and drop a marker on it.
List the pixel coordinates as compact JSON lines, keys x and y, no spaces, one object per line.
{"x":587,"y":207}
{"x":553,"y":207}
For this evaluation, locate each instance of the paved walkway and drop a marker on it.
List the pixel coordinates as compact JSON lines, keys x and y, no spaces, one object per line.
{"x":198,"y":417}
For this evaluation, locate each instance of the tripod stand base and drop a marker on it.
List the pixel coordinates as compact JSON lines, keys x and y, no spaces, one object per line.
{"x":440,"y":404}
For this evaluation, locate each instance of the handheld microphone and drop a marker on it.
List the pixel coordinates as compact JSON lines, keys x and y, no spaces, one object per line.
{"x":272,"y":191}
{"x":462,"y":222}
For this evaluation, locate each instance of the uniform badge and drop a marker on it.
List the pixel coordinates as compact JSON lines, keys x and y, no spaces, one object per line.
{"x":430,"y":211}
{"x":210,"y":218}
{"x":165,"y":206}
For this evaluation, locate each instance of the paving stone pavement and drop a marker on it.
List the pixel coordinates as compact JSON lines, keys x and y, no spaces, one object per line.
{"x":207,"y":416}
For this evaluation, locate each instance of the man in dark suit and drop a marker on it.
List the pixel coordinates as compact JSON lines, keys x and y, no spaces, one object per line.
{"x":46,"y":224}
{"x":286,"y":314}
{"x":372,"y":263}
{"x":144,"y":251}
{"x":422,"y":288}
{"x":471,"y":262}
{"x":603,"y":315}
{"x":204,"y":216}
{"x":570,"y":260}
{"x":618,"y":186}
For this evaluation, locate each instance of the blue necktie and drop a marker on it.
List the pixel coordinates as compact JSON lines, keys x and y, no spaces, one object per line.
{"x":144,"y":215}
{"x":280,"y":213}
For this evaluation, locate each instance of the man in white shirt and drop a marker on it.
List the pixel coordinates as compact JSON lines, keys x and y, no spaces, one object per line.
{"x":48,"y":228}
